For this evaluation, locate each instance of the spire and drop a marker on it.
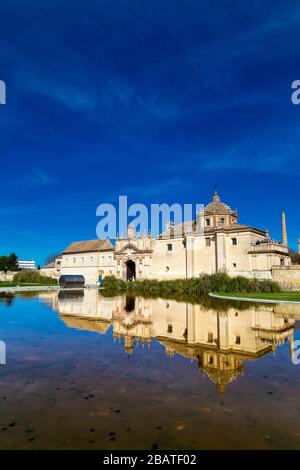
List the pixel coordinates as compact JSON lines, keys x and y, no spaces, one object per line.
{"x":284,"y":230}
{"x":216,"y":197}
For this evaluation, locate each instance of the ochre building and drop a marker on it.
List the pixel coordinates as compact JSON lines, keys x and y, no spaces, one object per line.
{"x":222,"y":244}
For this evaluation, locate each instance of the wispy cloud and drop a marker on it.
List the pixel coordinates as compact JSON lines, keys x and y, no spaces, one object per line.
{"x":36,"y":177}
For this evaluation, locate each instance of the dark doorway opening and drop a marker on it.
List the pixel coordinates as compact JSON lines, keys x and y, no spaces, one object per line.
{"x":130,"y":271}
{"x":130,"y":304}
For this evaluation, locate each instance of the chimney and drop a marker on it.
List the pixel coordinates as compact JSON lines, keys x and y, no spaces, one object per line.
{"x":284,"y":232}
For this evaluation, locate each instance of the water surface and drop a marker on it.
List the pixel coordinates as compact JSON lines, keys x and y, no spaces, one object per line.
{"x":87,"y":372}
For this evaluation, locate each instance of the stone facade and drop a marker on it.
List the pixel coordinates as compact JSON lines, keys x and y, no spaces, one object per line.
{"x":223,"y":244}
{"x":288,"y":277}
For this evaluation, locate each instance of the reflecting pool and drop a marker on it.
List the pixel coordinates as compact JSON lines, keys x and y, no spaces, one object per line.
{"x":83,"y":371}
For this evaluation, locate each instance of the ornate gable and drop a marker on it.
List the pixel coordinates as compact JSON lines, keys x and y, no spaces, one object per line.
{"x":130,"y":249}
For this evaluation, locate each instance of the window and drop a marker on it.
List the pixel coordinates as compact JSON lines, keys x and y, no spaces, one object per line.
{"x":237,"y":340}
{"x":169,"y":247}
{"x":91,"y":259}
{"x":222,"y":221}
{"x":207,"y":222}
{"x":74,"y":260}
{"x":82,"y":260}
{"x":207,"y":241}
{"x":282,"y":262}
{"x":167,"y":269}
{"x":234,"y":241}
{"x":102,"y":259}
{"x":170,"y":329}
{"x":211,"y":360}
{"x":234,"y":265}
{"x":210,"y":338}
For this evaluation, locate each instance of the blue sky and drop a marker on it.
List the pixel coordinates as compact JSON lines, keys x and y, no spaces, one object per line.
{"x":158,"y":100}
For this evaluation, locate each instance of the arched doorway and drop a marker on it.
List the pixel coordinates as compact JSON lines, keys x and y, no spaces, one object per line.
{"x":130,"y":270}
{"x":130,"y":304}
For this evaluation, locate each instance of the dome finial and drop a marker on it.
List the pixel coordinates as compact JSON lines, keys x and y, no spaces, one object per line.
{"x":216,"y":196}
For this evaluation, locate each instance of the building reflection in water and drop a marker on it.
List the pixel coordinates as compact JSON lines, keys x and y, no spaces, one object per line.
{"x":220,"y":342}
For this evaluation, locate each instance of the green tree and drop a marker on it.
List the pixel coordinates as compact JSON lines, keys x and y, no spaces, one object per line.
{"x":3,"y":263}
{"x":13,"y":262}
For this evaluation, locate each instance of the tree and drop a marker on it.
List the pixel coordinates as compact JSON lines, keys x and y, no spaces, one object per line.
{"x":51,"y":258}
{"x":13,"y":262}
{"x":3,"y":263}
{"x":9,"y":263}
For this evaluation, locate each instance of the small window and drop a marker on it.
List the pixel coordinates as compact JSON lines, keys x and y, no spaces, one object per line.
{"x":207,"y":222}
{"x":167,"y":269}
{"x":82,"y":260}
{"x":234,"y":265}
{"x":211,"y":360}
{"x":222,"y":221}
{"x":282,"y":262}
{"x":234,"y":241}
{"x":210,"y":338}
{"x":170,"y":329}
{"x":237,"y":340}
{"x":208,"y":241}
{"x":169,"y":246}
{"x":74,"y":260}
{"x":91,"y":259}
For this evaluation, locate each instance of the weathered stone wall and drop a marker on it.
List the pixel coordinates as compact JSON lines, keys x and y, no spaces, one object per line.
{"x":7,"y":276}
{"x":287,"y":276}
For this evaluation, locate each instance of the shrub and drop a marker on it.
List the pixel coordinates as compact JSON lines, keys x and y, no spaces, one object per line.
{"x":33,"y":277}
{"x":112,"y":283}
{"x":191,"y":289}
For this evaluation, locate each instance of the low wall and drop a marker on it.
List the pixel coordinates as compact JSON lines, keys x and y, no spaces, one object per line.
{"x":7,"y":276}
{"x":288,"y":277}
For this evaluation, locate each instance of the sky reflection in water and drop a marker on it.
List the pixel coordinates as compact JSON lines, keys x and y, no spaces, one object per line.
{"x":88,"y":372}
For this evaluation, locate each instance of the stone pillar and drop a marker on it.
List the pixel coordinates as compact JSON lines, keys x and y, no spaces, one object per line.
{"x":189,"y":256}
{"x":220,"y":246}
{"x":284,"y":231}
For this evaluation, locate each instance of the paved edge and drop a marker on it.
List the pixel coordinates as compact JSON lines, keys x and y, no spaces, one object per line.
{"x":261,"y":301}
{"x":27,"y":288}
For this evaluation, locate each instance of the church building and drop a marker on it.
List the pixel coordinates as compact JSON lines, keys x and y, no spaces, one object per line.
{"x":223,"y":244}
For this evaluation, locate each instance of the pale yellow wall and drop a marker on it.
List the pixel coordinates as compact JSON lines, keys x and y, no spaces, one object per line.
{"x":175,"y":260}
{"x":288,"y":277}
{"x":9,"y":276}
{"x":90,"y":265}
{"x":189,"y":257}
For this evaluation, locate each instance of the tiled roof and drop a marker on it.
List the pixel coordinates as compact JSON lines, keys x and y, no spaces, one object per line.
{"x":216,"y":206}
{"x":87,"y":246}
